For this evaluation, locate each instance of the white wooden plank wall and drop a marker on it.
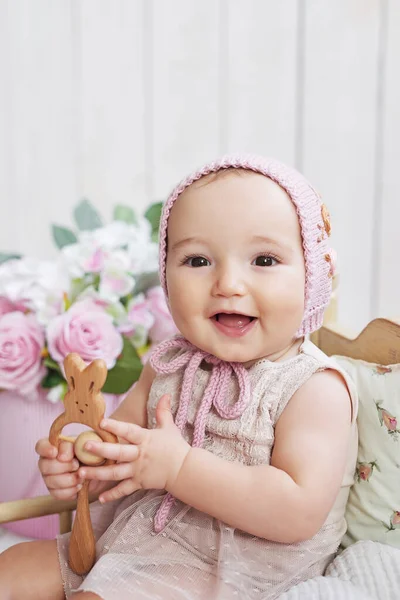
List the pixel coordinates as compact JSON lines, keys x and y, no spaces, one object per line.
{"x":339,"y":134}
{"x":387,"y":280}
{"x":115,"y":100}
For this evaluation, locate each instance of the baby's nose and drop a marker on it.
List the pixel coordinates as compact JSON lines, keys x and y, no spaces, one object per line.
{"x":229,"y":282}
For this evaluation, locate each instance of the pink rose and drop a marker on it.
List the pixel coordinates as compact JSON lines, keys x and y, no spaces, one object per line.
{"x":6,"y":306}
{"x":21,"y":345}
{"x":86,"y":329}
{"x":139,"y":318}
{"x":164,"y":327}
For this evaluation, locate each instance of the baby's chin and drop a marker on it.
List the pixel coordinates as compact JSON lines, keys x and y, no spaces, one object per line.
{"x":227,"y":352}
{"x":244,"y":356}
{"x":241,"y":350}
{"x":223,"y":347}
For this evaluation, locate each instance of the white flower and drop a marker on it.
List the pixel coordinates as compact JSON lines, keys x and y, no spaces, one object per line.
{"x":118,"y":234}
{"x":144,"y":257}
{"x":39,"y":285}
{"x":117,"y":247}
{"x":115,"y":284}
{"x":56,"y":393}
{"x":82,"y":258}
{"x":117,"y":260}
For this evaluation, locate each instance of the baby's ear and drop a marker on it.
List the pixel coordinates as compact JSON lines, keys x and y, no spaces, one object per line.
{"x":73,"y":367}
{"x":96,"y":375}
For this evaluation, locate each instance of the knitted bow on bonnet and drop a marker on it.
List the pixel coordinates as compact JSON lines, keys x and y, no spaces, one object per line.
{"x":319,"y":267}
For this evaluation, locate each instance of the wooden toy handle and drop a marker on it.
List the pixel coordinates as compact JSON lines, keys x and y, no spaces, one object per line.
{"x":82,"y":545}
{"x":83,"y":404}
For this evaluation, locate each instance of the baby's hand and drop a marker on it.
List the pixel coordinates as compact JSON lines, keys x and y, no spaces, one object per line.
{"x":151,"y":459}
{"x":59,"y":470}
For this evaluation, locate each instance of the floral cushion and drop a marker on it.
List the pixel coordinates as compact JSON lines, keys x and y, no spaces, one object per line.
{"x":373,"y":509}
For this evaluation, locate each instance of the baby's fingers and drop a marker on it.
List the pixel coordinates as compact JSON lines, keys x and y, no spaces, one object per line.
{"x":115,"y":472}
{"x":45,"y":449}
{"x":53,"y":467}
{"x":124,"y":488}
{"x":65,"y":451}
{"x":96,"y":487}
{"x":119,"y":452}
{"x":66,"y":493}
{"x":64,"y":481}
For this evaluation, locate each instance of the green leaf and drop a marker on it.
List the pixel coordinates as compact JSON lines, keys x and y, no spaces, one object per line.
{"x":125,"y":214}
{"x":126,"y":371}
{"x":153,"y":215}
{"x":78,"y":285}
{"x":63,"y":236}
{"x":5,"y":257}
{"x":86,"y":216}
{"x":52,"y":379}
{"x":145,"y":281}
{"x":51,"y":364}
{"x":96,"y":281}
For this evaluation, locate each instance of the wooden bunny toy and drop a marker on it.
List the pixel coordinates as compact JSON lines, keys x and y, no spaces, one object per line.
{"x":84,"y":404}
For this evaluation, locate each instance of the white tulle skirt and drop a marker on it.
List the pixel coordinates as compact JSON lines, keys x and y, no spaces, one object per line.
{"x":196,"y":557}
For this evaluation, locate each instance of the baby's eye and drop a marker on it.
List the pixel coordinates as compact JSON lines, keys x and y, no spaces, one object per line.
{"x":265,"y":261}
{"x":196,"y":261}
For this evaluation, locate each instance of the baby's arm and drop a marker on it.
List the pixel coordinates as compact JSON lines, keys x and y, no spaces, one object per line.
{"x":289,"y":500}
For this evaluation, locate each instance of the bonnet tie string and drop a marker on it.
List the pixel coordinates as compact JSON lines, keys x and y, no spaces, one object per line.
{"x":214,"y":395}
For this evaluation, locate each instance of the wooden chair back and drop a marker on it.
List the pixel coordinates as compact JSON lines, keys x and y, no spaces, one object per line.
{"x":378,"y":343}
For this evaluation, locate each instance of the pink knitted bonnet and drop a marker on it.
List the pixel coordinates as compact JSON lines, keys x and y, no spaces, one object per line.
{"x":314,"y":224}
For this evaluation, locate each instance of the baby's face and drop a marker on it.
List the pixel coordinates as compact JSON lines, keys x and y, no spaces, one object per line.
{"x":235,"y":267}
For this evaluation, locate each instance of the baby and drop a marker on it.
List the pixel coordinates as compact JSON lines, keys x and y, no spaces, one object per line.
{"x":239,"y":440}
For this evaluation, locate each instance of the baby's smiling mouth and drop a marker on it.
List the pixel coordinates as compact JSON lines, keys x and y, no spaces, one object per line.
{"x":233,"y":320}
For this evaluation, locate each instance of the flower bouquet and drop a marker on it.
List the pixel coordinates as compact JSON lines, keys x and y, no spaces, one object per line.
{"x":100,"y":298}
